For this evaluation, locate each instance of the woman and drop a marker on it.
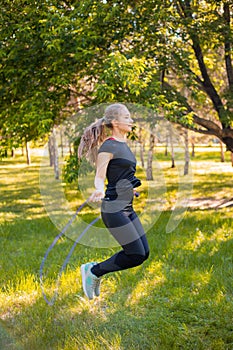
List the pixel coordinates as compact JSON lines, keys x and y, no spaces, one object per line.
{"x":116,"y":162}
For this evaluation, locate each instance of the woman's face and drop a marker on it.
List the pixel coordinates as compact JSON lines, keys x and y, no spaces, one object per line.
{"x":124,"y":122}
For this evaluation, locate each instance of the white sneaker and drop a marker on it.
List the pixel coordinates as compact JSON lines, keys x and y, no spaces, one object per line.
{"x":90,"y":282}
{"x":97,"y":287}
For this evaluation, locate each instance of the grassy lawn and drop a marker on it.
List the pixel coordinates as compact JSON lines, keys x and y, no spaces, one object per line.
{"x":180,"y":298}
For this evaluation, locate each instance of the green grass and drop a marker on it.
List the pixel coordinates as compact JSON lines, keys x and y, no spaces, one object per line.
{"x":180,"y":298}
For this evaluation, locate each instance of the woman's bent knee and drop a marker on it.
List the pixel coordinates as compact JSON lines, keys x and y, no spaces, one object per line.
{"x":147,"y":255}
{"x":137,"y":259}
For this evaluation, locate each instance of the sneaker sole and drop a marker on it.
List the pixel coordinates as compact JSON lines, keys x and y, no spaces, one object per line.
{"x":83,"y":280}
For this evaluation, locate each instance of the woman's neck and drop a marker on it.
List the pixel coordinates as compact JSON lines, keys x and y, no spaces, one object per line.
{"x":119,"y":136}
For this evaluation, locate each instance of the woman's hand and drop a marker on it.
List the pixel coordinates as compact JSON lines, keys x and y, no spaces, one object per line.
{"x":96,"y":196}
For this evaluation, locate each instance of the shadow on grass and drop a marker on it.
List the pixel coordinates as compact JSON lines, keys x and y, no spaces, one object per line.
{"x":7,"y":342}
{"x":20,"y":191}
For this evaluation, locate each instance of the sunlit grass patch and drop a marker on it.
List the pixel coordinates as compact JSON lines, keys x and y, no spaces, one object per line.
{"x":16,"y":293}
{"x":93,"y":341}
{"x":153,"y":276}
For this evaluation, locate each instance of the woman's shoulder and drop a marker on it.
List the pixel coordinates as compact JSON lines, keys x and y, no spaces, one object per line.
{"x":108,"y":145}
{"x":110,"y":140}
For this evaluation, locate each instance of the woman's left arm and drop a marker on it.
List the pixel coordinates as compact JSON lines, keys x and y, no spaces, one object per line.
{"x":101,"y":169}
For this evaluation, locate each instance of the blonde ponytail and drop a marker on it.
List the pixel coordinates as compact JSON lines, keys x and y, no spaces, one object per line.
{"x":93,"y":135}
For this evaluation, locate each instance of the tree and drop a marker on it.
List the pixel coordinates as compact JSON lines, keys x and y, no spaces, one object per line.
{"x":206,"y":30}
{"x":186,"y":45}
{"x":146,"y":52}
{"x":40,"y":52}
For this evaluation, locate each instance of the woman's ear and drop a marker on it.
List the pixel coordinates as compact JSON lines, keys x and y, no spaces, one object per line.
{"x":114,"y":122}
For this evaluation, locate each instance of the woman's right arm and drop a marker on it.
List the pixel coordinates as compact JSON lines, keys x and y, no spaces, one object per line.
{"x":101,"y":169}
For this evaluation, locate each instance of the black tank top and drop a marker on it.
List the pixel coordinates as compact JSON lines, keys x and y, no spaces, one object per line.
{"x":121,"y":168}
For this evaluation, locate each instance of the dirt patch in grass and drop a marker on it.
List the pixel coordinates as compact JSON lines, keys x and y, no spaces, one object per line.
{"x":209,"y":203}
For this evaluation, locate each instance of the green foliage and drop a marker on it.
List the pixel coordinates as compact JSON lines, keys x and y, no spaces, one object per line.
{"x":124,"y":78}
{"x":74,"y":167}
{"x":38,"y":42}
{"x":144,"y":52}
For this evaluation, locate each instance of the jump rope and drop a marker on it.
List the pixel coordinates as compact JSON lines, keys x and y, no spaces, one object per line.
{"x":52,"y":300}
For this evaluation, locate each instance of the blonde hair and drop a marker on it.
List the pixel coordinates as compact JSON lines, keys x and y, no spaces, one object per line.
{"x":95,"y":133}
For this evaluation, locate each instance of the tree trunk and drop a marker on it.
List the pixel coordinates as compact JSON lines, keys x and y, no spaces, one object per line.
{"x":13,"y":152}
{"x":193,"y":145}
{"x":62,"y":146}
{"x":142,"y":147}
{"x":166,"y":144}
{"x":51,"y":150}
{"x":149,"y":170}
{"x":222,"y":152}
{"x":193,"y":150}
{"x":70,"y":149}
{"x":172,"y":147}
{"x":187,"y":158}
{"x":55,"y":155}
{"x":28,"y":153}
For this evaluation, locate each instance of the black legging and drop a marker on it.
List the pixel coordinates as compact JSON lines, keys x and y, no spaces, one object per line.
{"x":127,"y":229}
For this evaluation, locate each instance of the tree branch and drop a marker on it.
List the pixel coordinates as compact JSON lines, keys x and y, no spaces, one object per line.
{"x":207,"y":124}
{"x":227,"y":44}
{"x":206,"y":82}
{"x":190,"y":71}
{"x":79,"y":94}
{"x":193,"y":128}
{"x":180,"y":8}
{"x":225,"y":134}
